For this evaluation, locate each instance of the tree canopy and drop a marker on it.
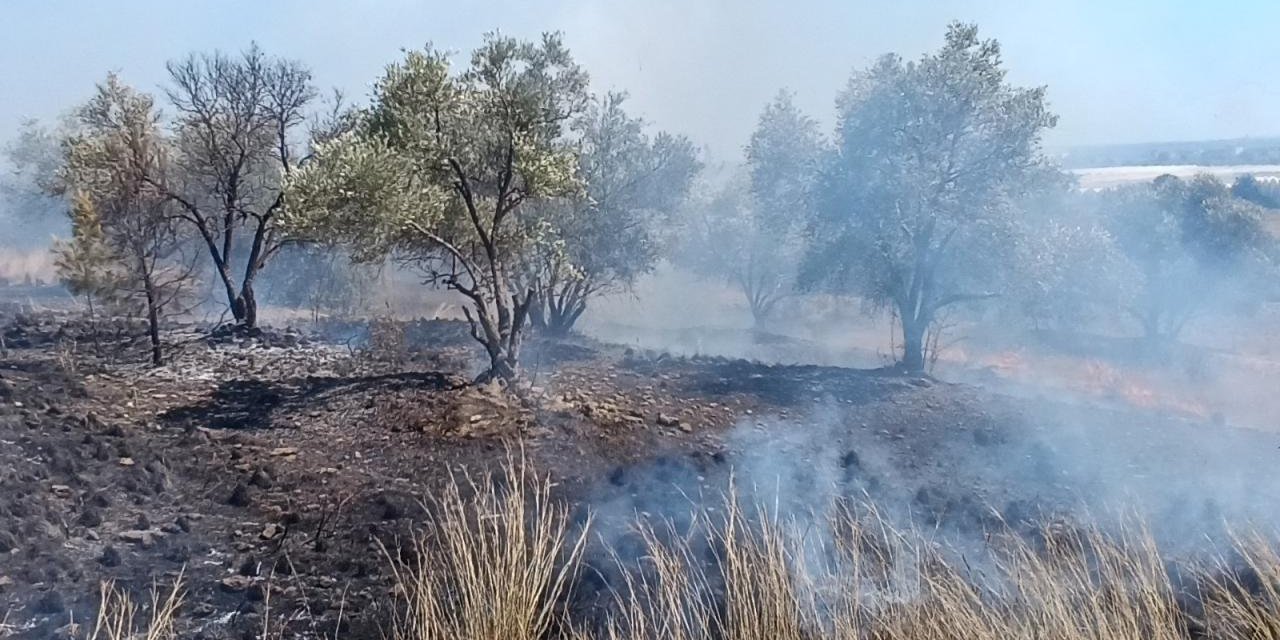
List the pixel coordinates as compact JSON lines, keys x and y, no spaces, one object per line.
{"x":616,"y":228}
{"x":928,"y":156}
{"x":439,"y":166}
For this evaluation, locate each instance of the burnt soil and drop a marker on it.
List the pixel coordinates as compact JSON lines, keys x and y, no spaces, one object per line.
{"x":284,"y":465}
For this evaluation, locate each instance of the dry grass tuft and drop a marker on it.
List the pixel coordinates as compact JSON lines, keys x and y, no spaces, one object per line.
{"x":118,"y":614}
{"x":494,"y":562}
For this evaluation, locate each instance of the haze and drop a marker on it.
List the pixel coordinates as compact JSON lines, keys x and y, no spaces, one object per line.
{"x":1116,"y":72}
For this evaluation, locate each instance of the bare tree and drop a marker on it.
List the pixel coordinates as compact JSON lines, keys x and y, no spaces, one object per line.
{"x":237,"y":123}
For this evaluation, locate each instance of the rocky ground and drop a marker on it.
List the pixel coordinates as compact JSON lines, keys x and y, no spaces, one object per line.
{"x":275,"y":470}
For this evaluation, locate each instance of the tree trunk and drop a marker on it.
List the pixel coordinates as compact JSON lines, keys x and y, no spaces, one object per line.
{"x":499,"y":328}
{"x":153,"y":320}
{"x":251,"y":268}
{"x":538,"y":313}
{"x":250,"y":306}
{"x":913,"y":344}
{"x":234,"y":300}
{"x":561,"y":323}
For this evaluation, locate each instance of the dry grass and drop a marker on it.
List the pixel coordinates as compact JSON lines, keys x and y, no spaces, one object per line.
{"x":499,"y":557}
{"x":746,"y":574}
{"x":118,"y":614}
{"x":494,"y":562}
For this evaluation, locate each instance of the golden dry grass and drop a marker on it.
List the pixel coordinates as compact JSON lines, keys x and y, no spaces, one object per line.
{"x":746,"y":574}
{"x":499,"y":557}
{"x":118,"y":614}
{"x":494,"y":561}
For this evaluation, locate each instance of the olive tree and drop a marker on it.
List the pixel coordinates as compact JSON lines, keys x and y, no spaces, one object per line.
{"x":438,"y":169}
{"x":750,"y":230}
{"x":727,"y":238}
{"x":916,"y":209}
{"x":613,"y":231}
{"x":1192,"y":243}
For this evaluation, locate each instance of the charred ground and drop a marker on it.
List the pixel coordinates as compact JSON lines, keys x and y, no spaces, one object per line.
{"x":279,"y":470}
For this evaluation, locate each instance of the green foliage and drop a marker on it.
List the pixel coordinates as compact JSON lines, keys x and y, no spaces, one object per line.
{"x":123,"y":226}
{"x":728,"y":237}
{"x":1249,"y":188}
{"x":916,"y":212}
{"x":604,"y":237}
{"x":86,"y":265}
{"x":1070,"y":269}
{"x":783,"y":158}
{"x":439,"y":166}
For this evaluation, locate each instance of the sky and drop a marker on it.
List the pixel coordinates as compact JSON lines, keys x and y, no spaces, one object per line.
{"x":1117,"y":71}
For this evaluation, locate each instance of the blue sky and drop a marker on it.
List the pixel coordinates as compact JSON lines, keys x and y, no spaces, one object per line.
{"x":1117,"y":71}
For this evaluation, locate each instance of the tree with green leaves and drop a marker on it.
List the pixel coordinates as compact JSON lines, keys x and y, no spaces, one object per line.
{"x":85,"y":264}
{"x":1192,"y":243}
{"x":727,"y":238}
{"x":750,"y":230}
{"x":916,"y":209}
{"x":613,"y":231}
{"x":439,"y":170}
{"x":1070,"y":269}
{"x":126,"y":245}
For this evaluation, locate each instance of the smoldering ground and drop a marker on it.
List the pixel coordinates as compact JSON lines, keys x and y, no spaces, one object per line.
{"x":955,"y":473}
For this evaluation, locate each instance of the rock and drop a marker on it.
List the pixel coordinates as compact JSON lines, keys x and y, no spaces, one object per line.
{"x":138,"y":537}
{"x":61,"y":490}
{"x":279,"y":452}
{"x":239,"y":496}
{"x":126,"y":462}
{"x":69,"y":631}
{"x":261,"y":479}
{"x":110,"y":557}
{"x":271,"y":532}
{"x":235,"y":584}
{"x":665,"y":420}
{"x":250,"y":567}
{"x":8,"y":542}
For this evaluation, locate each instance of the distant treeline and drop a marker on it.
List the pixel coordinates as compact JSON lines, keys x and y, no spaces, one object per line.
{"x":1240,"y":151}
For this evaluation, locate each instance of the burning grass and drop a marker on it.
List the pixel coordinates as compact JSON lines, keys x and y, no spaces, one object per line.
{"x":500,"y":559}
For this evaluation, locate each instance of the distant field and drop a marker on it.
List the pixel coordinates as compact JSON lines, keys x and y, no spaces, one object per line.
{"x":26,"y":266}
{"x":1104,"y":177}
